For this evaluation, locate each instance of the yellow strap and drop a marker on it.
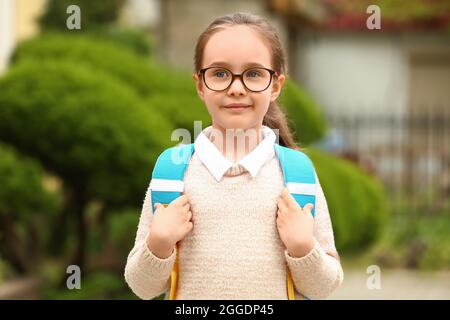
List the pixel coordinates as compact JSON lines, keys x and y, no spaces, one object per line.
{"x":174,"y":279}
{"x":290,"y":285}
{"x":173,"y":274}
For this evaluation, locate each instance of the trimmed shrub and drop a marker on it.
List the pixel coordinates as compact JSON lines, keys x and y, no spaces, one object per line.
{"x":140,"y":73}
{"x":22,"y":190}
{"x":84,"y":125}
{"x":27,"y":208}
{"x":356,"y":201}
{"x":308,"y":120}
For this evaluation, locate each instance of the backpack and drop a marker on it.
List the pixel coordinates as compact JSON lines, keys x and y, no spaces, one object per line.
{"x":167,"y":184}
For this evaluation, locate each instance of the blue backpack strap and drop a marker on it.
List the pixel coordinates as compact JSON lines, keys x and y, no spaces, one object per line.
{"x":168,"y":174}
{"x":299,"y":175}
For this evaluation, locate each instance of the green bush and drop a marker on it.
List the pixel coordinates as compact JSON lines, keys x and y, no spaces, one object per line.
{"x":140,"y":73}
{"x":356,"y":201}
{"x":414,"y":239}
{"x":308,"y":118}
{"x":433,"y":232}
{"x":122,"y":227}
{"x":27,"y":209}
{"x":98,"y":285}
{"x":22,"y":189}
{"x":138,"y":41}
{"x":83,"y":125}
{"x":182,"y":110}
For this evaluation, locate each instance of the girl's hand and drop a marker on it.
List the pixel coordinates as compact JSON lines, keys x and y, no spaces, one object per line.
{"x":169,"y":225}
{"x":295,"y":225}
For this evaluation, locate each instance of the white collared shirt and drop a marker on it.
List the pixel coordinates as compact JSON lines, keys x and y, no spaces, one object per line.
{"x":217,"y":164}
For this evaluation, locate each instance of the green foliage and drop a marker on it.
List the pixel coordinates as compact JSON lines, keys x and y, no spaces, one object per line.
{"x":304,"y":113}
{"x":122,"y":227}
{"x":182,"y":110}
{"x":138,"y":41}
{"x":98,"y":285}
{"x":356,"y":201}
{"x":22,"y":190}
{"x":415,"y":239}
{"x":433,"y":232}
{"x":3,"y":267}
{"x":88,"y":127}
{"x":397,"y":10}
{"x":138,"y":72}
{"x":27,"y":207}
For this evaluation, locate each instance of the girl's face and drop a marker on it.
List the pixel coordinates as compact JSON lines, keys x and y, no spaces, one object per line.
{"x":234,"y":48}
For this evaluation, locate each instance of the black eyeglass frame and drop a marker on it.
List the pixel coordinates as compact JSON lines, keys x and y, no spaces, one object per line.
{"x":238,"y":75}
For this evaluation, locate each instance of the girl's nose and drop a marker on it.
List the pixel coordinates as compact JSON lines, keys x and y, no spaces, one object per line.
{"x":237,"y":87}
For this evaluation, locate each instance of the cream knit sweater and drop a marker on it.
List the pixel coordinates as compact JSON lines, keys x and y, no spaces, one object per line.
{"x":234,"y":250}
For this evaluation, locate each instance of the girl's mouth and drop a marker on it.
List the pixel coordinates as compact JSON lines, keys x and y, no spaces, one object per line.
{"x":237,"y":106}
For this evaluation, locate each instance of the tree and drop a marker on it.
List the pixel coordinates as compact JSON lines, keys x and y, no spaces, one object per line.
{"x":85,"y":127}
{"x":26,"y":205}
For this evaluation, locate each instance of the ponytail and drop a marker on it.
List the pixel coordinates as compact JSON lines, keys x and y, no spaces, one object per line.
{"x":276,"y":119}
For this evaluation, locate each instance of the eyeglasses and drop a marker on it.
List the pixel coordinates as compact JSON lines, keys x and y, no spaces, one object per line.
{"x":254,"y":79}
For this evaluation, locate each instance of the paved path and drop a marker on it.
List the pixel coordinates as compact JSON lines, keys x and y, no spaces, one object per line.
{"x":395,"y":284}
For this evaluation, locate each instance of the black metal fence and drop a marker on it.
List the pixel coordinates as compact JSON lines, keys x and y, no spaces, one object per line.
{"x":410,"y":153}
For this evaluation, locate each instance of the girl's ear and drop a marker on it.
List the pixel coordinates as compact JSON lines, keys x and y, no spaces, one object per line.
{"x":198,"y":85}
{"x":277,"y":86}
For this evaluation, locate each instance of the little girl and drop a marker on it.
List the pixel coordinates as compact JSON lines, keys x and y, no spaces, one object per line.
{"x":236,"y":232}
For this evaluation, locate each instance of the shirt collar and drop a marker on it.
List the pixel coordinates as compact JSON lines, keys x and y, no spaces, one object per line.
{"x":217,"y":164}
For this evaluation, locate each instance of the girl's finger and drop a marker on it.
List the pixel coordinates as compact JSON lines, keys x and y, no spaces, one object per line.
{"x":285,"y":194}
{"x":189,"y":215}
{"x":289,"y":199}
{"x":186,"y":207}
{"x":189,"y":226}
{"x":308,"y":207}
{"x":181,"y":200}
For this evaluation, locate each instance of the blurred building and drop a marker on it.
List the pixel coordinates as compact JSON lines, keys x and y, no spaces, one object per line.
{"x":402,"y":68}
{"x":386,"y":92}
{"x":17,"y":22}
{"x":181,"y":23}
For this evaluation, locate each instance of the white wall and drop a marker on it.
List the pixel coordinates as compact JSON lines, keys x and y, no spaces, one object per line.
{"x":355,"y":73}
{"x":7,"y":14}
{"x":142,"y":13}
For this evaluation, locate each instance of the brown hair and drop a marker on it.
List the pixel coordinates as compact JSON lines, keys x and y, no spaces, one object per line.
{"x":275,"y":117}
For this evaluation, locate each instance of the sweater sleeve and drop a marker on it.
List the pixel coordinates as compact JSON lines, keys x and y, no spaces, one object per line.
{"x":317,"y":274}
{"x":147,"y":275}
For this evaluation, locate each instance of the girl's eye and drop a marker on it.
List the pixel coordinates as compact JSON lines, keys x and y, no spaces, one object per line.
{"x":220,"y":73}
{"x":253,"y":73}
